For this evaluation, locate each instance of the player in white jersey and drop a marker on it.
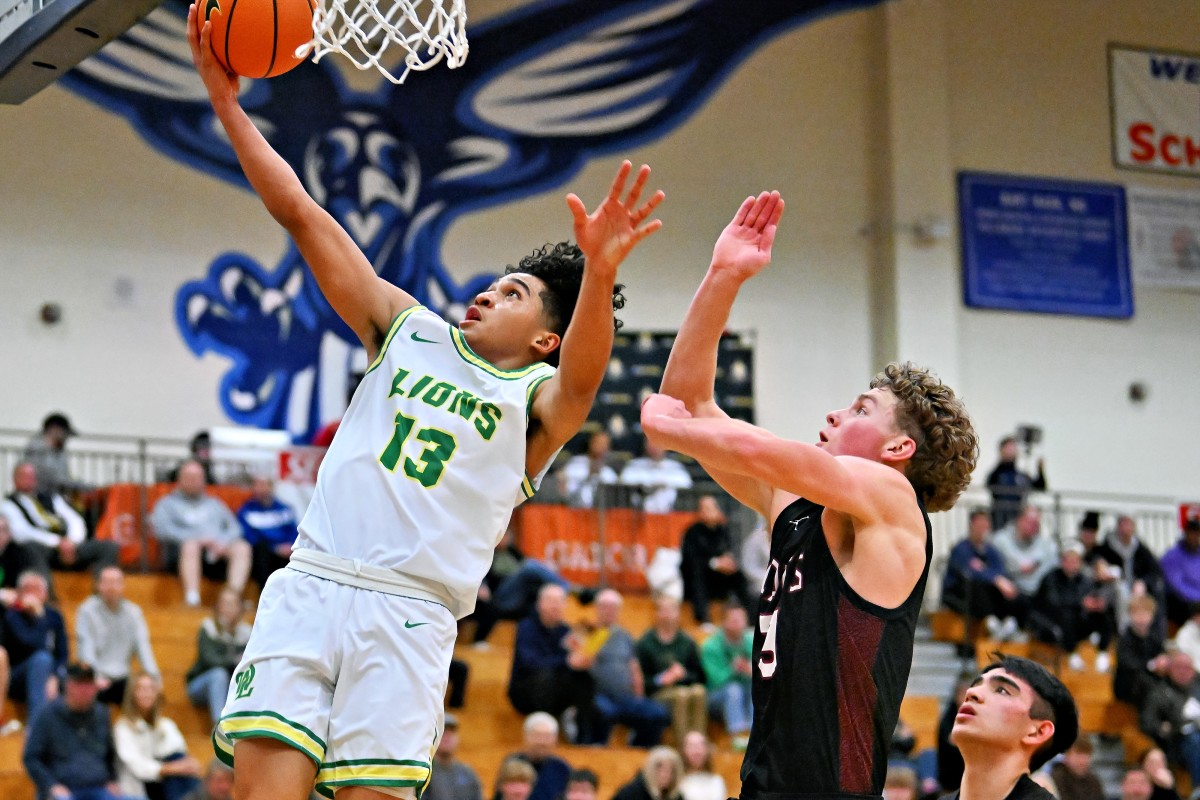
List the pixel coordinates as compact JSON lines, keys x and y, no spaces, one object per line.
{"x":343,"y":678}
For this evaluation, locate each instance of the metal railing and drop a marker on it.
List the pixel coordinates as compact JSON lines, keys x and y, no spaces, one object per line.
{"x":100,"y":460}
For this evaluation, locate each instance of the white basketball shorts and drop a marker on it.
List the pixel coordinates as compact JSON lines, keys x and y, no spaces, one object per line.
{"x":352,"y":678}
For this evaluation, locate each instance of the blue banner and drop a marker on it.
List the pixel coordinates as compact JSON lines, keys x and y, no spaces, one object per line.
{"x":1049,"y":246}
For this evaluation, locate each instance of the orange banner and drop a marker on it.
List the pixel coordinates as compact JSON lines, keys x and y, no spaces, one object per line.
{"x":581,"y":545}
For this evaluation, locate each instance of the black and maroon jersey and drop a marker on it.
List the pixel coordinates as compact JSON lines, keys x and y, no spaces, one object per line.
{"x":830,"y":669}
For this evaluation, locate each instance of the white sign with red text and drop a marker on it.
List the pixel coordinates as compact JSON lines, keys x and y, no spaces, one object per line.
{"x":1155,"y":110}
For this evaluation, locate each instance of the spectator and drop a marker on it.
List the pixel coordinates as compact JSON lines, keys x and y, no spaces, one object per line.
{"x":582,"y":784}
{"x":659,"y":477}
{"x":269,"y":527}
{"x":1162,"y":780}
{"x":69,"y":749}
{"x":47,"y":452}
{"x":514,"y":780}
{"x":756,"y":554}
{"x":1140,"y":570}
{"x":109,"y":631}
{"x":1171,"y":712}
{"x":7,"y":726}
{"x":451,"y":778}
{"x":1067,"y":610}
{"x":1136,"y":786}
{"x":538,"y":751}
{"x":218,"y":783}
{"x":620,"y":690}
{"x":727,"y":656}
{"x":1187,"y":638}
{"x":1181,"y":571}
{"x":1074,"y":776}
{"x":1105,"y":574}
{"x":672,"y":671}
{"x":201,"y":452}
{"x":53,"y":533}
{"x":152,"y":758}
{"x":549,"y":670}
{"x":582,"y":475}
{"x":658,"y":778}
{"x":220,"y":643}
{"x":699,"y":781}
{"x":1141,"y":658}
{"x":194,"y":527}
{"x":1028,"y":556}
{"x":36,"y":640}
{"x":710,"y":571}
{"x":976,"y":587}
{"x":456,"y":683}
{"x":14,"y":557}
{"x":900,"y":783}
{"x":1009,"y":486}
{"x":510,"y":589}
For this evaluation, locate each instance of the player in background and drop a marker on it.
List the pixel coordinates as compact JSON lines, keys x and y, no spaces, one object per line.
{"x":1015,"y":717}
{"x":850,"y":535}
{"x":343,"y":678}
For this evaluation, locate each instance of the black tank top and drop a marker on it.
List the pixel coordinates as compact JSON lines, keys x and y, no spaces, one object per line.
{"x":830,"y":670}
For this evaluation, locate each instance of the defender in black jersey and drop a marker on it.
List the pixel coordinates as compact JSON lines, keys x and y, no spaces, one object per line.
{"x":1016,"y":716}
{"x":850,"y":539}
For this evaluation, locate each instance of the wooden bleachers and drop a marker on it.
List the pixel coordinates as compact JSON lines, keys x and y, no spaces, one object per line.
{"x":489,"y":727}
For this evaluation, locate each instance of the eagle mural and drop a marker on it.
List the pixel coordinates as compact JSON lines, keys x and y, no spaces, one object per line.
{"x":548,"y":86}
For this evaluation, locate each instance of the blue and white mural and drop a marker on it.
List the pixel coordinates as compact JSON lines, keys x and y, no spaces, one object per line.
{"x":548,"y":86}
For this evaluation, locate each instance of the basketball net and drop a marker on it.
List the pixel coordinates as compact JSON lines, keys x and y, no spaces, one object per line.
{"x":363,"y":30}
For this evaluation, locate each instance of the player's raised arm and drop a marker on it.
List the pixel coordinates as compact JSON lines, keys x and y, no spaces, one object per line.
{"x":606,"y":237}
{"x":859,"y":487}
{"x":362,"y":299}
{"x":741,"y":251}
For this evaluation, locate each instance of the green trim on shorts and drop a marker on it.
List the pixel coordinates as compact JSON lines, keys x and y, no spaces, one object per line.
{"x":266,"y":725}
{"x":373,"y":772}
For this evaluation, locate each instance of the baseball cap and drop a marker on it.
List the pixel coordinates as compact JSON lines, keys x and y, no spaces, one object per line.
{"x":81,"y":672}
{"x":59,"y":420}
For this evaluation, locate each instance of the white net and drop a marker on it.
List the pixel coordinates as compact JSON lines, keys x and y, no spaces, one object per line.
{"x":365,"y":31}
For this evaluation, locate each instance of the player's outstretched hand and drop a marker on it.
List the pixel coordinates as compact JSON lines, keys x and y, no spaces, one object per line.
{"x":744,"y":247}
{"x":608,"y":234}
{"x":220,"y":82}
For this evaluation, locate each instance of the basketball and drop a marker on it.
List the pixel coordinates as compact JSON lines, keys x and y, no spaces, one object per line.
{"x":259,"y":38}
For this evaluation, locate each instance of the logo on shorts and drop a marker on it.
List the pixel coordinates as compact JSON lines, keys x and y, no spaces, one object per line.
{"x":416,"y":337}
{"x":408,"y":623}
{"x":244,"y":679}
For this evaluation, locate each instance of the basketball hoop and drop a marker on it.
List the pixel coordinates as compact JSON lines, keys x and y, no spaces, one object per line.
{"x":363,"y":30}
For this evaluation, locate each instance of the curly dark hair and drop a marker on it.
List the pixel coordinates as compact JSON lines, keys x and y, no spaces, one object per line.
{"x":947,"y":448}
{"x":560,"y":268}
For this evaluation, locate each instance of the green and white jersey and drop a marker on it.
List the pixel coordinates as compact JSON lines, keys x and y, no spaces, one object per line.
{"x":428,"y":462}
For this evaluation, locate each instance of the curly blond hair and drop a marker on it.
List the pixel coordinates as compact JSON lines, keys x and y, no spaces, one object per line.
{"x":929,"y":412}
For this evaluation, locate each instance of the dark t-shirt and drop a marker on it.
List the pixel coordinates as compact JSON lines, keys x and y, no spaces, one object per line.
{"x":1025,"y":789}
{"x":830,"y":670}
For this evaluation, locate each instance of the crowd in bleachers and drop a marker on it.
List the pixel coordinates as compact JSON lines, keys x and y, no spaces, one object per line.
{"x":580,"y":682}
{"x":1139,"y":613}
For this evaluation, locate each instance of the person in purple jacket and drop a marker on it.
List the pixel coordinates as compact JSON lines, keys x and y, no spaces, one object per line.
{"x":1181,"y":571}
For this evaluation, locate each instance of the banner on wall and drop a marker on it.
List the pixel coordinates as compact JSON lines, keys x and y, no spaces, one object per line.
{"x":1050,"y":246}
{"x":1155,"y":109}
{"x":1164,"y":237}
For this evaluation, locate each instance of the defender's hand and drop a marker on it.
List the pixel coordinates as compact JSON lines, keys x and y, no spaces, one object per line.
{"x":744,"y":247}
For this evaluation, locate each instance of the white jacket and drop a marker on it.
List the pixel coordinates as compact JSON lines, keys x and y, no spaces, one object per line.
{"x":141,"y":750}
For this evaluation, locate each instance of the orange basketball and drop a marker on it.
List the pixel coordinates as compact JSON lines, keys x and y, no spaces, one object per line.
{"x":259,"y":38}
